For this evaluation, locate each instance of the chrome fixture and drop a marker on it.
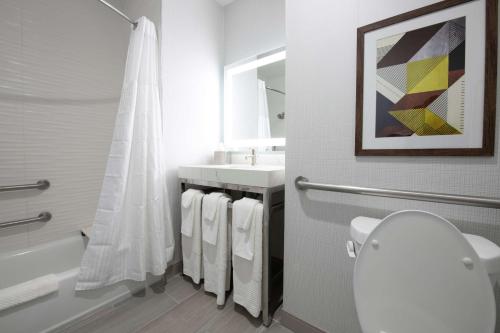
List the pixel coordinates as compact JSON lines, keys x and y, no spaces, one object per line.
{"x":302,"y":183}
{"x":41,"y":185}
{"x":42,"y":217}
{"x":252,"y":156}
{"x":119,"y":12}
{"x":276,"y":90}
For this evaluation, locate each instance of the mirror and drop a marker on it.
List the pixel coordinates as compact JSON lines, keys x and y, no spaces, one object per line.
{"x":254,"y":102}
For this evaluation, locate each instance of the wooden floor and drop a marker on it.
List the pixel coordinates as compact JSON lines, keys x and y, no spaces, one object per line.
{"x":177,"y":307}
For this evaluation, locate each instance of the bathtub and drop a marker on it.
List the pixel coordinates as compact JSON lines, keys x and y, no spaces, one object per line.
{"x":58,"y":310}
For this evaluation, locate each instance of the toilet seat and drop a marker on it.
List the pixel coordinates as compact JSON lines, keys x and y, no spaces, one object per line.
{"x":488,"y":252}
{"x":417,"y":273}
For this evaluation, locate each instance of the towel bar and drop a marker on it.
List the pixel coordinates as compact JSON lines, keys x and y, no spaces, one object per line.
{"x":302,"y":183}
{"x":42,"y":217}
{"x":41,"y":185}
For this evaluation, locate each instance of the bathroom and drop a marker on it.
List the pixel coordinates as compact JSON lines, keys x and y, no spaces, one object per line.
{"x":266,"y":102}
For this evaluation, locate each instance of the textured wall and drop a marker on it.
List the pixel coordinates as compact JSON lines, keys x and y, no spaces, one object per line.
{"x":192,"y":63}
{"x":321,"y":42}
{"x":61,"y":68}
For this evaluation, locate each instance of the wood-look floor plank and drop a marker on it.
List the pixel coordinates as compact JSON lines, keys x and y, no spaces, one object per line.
{"x":181,"y":288}
{"x":177,"y":307}
{"x":130,"y":316}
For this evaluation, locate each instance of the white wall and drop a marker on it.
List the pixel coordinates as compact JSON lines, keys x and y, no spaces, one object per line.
{"x":61,"y":69}
{"x":253,"y":27}
{"x":149,"y":8}
{"x":321,"y":69}
{"x":192,"y":75}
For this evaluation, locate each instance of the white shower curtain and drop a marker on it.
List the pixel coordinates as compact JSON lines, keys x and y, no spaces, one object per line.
{"x":132,"y":232}
{"x":264,"y":126}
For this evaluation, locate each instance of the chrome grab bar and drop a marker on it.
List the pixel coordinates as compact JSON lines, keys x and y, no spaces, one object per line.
{"x":41,"y":185}
{"x":42,"y":217}
{"x":302,"y":183}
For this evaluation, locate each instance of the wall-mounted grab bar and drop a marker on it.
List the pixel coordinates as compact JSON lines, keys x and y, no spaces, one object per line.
{"x":302,"y":183}
{"x":42,"y":217}
{"x":41,"y":185}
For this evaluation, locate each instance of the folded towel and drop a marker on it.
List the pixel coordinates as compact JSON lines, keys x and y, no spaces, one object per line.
{"x":210,"y":220}
{"x":243,"y":211}
{"x":187,"y":197}
{"x":188,"y":211}
{"x":247,"y":273}
{"x":27,"y":291}
{"x":210,"y":205}
{"x":217,"y":257}
{"x":191,"y":238}
{"x":244,"y":239}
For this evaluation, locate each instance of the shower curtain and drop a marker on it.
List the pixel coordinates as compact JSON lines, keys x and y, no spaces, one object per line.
{"x":132,"y":232}
{"x":264,"y":126}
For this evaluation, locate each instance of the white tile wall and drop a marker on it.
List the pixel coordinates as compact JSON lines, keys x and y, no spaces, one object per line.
{"x":321,"y":70}
{"x":61,"y":68}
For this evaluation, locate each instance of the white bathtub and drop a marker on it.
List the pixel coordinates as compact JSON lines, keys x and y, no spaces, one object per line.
{"x":59,"y":309}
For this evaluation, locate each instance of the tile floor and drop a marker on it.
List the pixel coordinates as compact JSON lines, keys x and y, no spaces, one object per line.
{"x":177,"y":307}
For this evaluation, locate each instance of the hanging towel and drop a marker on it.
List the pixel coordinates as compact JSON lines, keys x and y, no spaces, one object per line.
{"x":191,"y":245}
{"x":188,"y":211}
{"x":217,"y":256}
{"x":209,"y":213}
{"x":244,"y":215}
{"x":28,"y":291}
{"x":247,"y":273}
{"x":132,"y":232}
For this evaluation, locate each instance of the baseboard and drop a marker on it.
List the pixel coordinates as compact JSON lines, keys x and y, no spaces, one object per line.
{"x":297,"y":325}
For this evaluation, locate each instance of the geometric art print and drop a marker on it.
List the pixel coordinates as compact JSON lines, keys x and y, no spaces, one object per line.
{"x":421,"y":81}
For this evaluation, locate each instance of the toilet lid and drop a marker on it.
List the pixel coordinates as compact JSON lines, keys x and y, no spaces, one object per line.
{"x":417,"y":273}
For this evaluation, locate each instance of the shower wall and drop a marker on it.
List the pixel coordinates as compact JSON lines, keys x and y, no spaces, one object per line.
{"x":61,"y":69}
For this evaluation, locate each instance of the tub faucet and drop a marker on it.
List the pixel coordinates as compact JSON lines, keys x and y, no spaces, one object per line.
{"x":253,"y":157}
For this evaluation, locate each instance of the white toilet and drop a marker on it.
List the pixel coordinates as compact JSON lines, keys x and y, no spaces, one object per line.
{"x":415,"y":272}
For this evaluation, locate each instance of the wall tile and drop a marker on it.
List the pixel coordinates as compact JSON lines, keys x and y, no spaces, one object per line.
{"x":61,"y":69}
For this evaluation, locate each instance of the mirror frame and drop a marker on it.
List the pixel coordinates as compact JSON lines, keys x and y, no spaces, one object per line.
{"x":229,"y":72}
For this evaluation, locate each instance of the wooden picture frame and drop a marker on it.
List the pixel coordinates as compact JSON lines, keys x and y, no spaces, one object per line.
{"x":490,"y":82}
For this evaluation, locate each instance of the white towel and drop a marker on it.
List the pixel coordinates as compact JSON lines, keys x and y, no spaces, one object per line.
{"x":27,"y":291}
{"x":247,"y":273}
{"x":217,"y":257}
{"x":210,"y":222}
{"x":244,"y":217}
{"x":243,"y":212}
{"x":191,"y":245}
{"x":187,"y":211}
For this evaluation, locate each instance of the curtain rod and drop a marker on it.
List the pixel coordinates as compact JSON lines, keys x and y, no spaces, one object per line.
{"x":119,"y":12}
{"x":276,"y":90}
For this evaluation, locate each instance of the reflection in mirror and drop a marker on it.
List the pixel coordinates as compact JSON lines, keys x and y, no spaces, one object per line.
{"x":254,"y":110}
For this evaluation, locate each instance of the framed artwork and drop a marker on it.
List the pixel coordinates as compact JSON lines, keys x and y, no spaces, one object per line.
{"x":426,"y":81}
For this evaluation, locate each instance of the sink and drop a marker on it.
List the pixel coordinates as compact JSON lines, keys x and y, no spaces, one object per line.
{"x":238,"y":174}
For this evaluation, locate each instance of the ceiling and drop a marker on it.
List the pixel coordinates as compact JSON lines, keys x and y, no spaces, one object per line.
{"x":224,"y":2}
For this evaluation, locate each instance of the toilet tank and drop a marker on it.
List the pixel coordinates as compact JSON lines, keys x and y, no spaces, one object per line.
{"x":361,"y":227}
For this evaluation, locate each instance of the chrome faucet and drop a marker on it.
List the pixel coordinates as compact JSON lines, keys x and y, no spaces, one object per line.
{"x":253,"y":157}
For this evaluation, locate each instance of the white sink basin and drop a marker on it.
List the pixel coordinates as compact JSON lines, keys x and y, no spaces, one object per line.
{"x":258,"y":175}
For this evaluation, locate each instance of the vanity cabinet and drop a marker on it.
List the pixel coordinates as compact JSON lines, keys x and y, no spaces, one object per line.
{"x":273,"y":199}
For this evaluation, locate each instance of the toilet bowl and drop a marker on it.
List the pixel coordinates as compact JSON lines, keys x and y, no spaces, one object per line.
{"x":416,"y":272}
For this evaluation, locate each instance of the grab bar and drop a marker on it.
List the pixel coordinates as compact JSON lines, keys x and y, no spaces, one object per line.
{"x":42,"y":217}
{"x":302,"y":183}
{"x":41,"y":185}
